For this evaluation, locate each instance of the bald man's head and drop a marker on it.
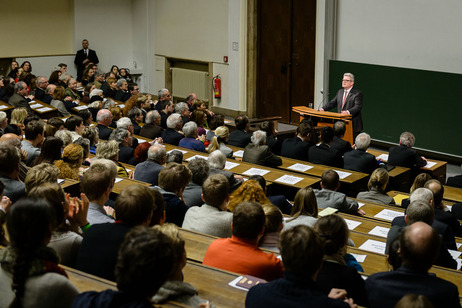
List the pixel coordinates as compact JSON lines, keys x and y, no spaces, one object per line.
{"x":11,"y":139}
{"x":438,"y":191}
{"x":419,"y":246}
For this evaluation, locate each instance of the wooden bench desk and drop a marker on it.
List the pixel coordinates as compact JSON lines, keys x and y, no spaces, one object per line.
{"x":452,"y":193}
{"x":43,"y":110}
{"x":124,"y":183}
{"x":6,"y":108}
{"x":211,"y":284}
{"x":437,"y":171}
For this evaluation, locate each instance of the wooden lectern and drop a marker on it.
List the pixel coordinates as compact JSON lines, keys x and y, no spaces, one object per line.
{"x":326,"y":118}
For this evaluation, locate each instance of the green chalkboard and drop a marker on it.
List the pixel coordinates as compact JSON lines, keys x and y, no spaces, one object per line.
{"x":397,"y":99}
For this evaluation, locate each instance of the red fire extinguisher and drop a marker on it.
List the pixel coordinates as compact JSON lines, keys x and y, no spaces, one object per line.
{"x":217,"y":86}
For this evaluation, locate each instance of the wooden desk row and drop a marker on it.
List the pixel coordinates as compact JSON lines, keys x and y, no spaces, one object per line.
{"x":211,"y":284}
{"x":42,"y":109}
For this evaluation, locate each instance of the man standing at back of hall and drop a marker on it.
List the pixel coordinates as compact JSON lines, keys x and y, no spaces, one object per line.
{"x":83,"y":57}
{"x":348,"y":101}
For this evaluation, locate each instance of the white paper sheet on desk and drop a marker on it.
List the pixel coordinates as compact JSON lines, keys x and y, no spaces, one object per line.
{"x":122,"y":106}
{"x":239,"y":153}
{"x":455,"y":254}
{"x":342,"y":174}
{"x":60,"y":181}
{"x":117,"y":180}
{"x":197,"y":156}
{"x":3,"y":107}
{"x":82,"y":107}
{"x":44,"y":109}
{"x":92,"y":124}
{"x":182,"y":151}
{"x":31,"y":102}
{"x":358,"y":257}
{"x":300,"y":167}
{"x":458,"y":245}
{"x":380,"y":231}
{"x":36,"y":106}
{"x":388,"y":214}
{"x":383,"y":157}
{"x":352,"y":224}
{"x":253,"y":171}
{"x":289,"y":179}
{"x":230,"y":165}
{"x":459,"y":264}
{"x":430,"y":164}
{"x":360,"y":205}
{"x":373,"y":246}
{"x":141,"y":140}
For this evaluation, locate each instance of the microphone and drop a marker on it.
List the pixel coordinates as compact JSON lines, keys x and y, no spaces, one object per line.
{"x":322,"y":102}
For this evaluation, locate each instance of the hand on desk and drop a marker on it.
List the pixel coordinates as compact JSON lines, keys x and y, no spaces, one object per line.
{"x":361,"y":212}
{"x":345,"y":112}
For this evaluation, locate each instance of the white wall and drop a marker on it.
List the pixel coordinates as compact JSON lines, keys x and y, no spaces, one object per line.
{"x":421,"y":34}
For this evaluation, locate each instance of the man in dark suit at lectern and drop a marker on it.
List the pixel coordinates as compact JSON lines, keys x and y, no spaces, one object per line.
{"x":348,"y":101}
{"x":84,"y":56}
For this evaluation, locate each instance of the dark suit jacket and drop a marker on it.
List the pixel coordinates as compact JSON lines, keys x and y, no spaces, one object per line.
{"x":17,"y":100}
{"x":126,"y":155}
{"x":387,"y":288}
{"x":80,"y":57}
{"x":405,"y":157}
{"x":353,"y":103}
{"x":281,"y":202}
{"x":359,"y":160}
{"x":151,"y":131}
{"x":455,"y":181}
{"x":325,"y":155}
{"x":98,"y":252}
{"x":39,"y":94}
{"x":233,"y":182}
{"x":122,"y":96}
{"x":239,"y":138}
{"x":442,"y":228}
{"x":341,"y":145}
{"x":163,"y":119}
{"x":261,"y":155}
{"x":103,"y":131}
{"x":295,"y":148}
{"x":47,"y":99}
{"x":171,"y":136}
{"x":457,"y":210}
{"x":148,"y":171}
{"x":449,"y":219}
{"x":274,"y":144}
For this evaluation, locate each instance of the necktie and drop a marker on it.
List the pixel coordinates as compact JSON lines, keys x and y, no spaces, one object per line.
{"x":344,"y":98}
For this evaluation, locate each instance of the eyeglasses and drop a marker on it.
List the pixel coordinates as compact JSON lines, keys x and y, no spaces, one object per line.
{"x":346,"y":80}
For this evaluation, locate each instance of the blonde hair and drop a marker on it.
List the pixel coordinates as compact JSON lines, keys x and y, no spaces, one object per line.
{"x":72,"y":160}
{"x":40,"y":174}
{"x":305,"y":203}
{"x":107,"y":149}
{"x":249,"y":191}
{"x":221,"y":135}
{"x":18,"y":115}
{"x":378,"y":180}
{"x":420,"y":181}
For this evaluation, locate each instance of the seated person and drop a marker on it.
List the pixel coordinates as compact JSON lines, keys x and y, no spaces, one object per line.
{"x":339,"y":144}
{"x":377,"y":184}
{"x":257,"y":152}
{"x":217,"y":162}
{"x":240,"y":253}
{"x":418,"y":245}
{"x":305,"y":209}
{"x":173,"y":134}
{"x":152,"y":128}
{"x":175,"y":289}
{"x":190,"y":140}
{"x":419,"y":182}
{"x":328,"y":196}
{"x":110,"y":150}
{"x":34,"y":136}
{"x":98,"y":252}
{"x":104,"y":119}
{"x":148,"y":171}
{"x":403,"y":155}
{"x":271,"y":140}
{"x":97,"y":183}
{"x":212,"y":217}
{"x":335,"y":272}
{"x":358,"y":159}
{"x":421,"y":211}
{"x":278,"y":200}
{"x":240,"y":136}
{"x":9,"y":171}
{"x":250,"y":190}
{"x":455,"y":181}
{"x":173,"y":179}
{"x":69,"y":165}
{"x":192,"y":194}
{"x":324,"y":154}
{"x":144,"y":262}
{"x":273,"y":228}
{"x":174,"y":156}
{"x":297,"y":147}
{"x":219,"y":140}
{"x":30,"y":275}
{"x":302,"y":253}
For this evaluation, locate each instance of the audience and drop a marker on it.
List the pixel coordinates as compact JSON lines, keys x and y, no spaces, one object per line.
{"x":30,"y":275}
{"x":240,"y":253}
{"x":257,"y":152}
{"x":377,"y":184}
{"x":212,"y":217}
{"x":302,"y":253}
